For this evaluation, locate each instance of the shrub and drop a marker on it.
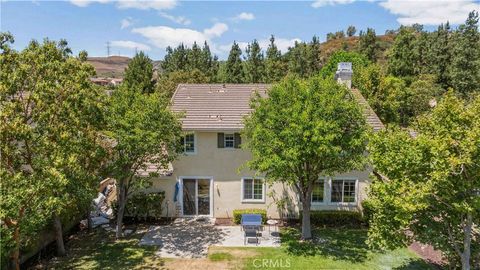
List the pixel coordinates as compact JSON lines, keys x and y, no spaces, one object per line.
{"x":144,"y":205}
{"x":237,"y":214}
{"x":367,"y":211}
{"x":335,"y":218}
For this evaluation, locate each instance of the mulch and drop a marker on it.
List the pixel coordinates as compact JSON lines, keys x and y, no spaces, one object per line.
{"x":429,"y":254}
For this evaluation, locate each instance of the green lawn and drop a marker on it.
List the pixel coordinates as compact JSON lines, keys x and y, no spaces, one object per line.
{"x":330,"y":249}
{"x":333,"y":249}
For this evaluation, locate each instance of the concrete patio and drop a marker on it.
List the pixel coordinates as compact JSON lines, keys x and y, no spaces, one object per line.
{"x":191,"y":239}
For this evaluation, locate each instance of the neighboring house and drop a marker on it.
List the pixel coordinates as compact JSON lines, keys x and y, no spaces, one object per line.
{"x":211,"y":178}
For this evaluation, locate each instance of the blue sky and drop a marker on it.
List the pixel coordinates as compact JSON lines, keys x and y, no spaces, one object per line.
{"x":153,"y":25}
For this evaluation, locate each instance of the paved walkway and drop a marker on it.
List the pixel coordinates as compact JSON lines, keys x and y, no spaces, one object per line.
{"x":191,"y":239}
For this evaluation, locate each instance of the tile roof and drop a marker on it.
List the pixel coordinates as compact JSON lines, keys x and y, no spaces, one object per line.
{"x":221,"y":107}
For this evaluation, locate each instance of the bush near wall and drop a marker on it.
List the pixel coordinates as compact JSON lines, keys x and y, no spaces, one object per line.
{"x":335,"y":218}
{"x":145,"y":205}
{"x":237,"y":214}
{"x":367,"y":210}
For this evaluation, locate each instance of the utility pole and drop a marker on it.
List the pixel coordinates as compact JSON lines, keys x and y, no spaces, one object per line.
{"x":108,"y":48}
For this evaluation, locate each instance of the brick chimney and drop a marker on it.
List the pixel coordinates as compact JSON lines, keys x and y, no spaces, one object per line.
{"x":344,"y":73}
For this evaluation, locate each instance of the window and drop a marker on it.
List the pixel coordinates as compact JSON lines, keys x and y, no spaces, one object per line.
{"x":229,"y":141}
{"x":252,"y":189}
{"x":318,"y":191}
{"x":344,"y":191}
{"x":189,"y":143}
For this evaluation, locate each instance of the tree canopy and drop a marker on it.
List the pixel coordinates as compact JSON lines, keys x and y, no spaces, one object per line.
{"x":305,"y":129}
{"x":428,"y":183}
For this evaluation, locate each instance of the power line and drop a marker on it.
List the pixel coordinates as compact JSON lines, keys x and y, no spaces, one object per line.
{"x":108,"y":48}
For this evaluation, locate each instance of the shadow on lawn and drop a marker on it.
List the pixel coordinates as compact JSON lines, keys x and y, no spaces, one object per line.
{"x":99,"y":250}
{"x":417,"y":264}
{"x":340,"y":244}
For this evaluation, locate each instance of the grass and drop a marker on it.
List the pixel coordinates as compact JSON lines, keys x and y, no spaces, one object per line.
{"x":330,"y":249}
{"x":99,"y":250}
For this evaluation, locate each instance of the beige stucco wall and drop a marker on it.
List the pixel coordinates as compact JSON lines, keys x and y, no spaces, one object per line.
{"x":226,"y":167}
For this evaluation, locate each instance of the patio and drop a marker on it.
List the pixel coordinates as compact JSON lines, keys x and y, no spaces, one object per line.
{"x":191,"y":239}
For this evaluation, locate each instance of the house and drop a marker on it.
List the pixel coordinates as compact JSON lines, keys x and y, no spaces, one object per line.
{"x":211,"y":179}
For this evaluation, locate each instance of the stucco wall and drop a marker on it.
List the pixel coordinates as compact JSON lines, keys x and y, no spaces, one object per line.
{"x":226,"y":167}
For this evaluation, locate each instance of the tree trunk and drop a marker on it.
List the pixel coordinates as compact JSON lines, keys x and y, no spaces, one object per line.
{"x":467,"y":239}
{"x":121,"y":209}
{"x":16,"y":251}
{"x":59,"y":235}
{"x":306,"y":225}
{"x":89,"y":221}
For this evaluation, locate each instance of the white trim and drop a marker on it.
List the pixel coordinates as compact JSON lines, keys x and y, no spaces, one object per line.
{"x":262,"y":200}
{"x":225,"y":140}
{"x":194,"y":144}
{"x":355,"y":203}
{"x":325,"y":185}
{"x":196,"y":178}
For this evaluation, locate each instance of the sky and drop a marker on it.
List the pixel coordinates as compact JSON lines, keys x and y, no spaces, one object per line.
{"x":151,"y":26}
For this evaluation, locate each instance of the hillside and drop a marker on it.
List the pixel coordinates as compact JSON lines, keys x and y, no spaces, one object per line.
{"x":114,"y":66}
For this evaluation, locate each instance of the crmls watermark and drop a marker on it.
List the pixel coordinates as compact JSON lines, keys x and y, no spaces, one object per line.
{"x":271,"y":263}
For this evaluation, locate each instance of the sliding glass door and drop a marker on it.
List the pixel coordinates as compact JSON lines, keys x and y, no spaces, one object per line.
{"x":196,"y":197}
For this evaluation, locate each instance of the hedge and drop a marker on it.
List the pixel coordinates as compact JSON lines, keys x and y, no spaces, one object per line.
{"x":335,"y":218}
{"x":237,"y":214}
{"x":367,"y":211}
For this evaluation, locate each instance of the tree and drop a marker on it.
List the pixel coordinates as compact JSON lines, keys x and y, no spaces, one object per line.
{"x":441,"y":54}
{"x":465,"y":67}
{"x":427,"y":186}
{"x":298,"y":59}
{"x":50,"y":143}
{"x":175,"y":59}
{"x":275,"y":68}
{"x":139,"y":74}
{"x":401,"y":61}
{"x":314,"y":56}
{"x":330,"y":36}
{"x":368,"y":44}
{"x":351,"y":30}
{"x":146,"y":132}
{"x":254,"y":63}
{"x":234,"y":66}
{"x":305,"y":129}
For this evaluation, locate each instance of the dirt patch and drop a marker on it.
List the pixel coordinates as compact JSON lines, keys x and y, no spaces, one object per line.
{"x":238,"y":255}
{"x":224,"y":222}
{"x":428,"y":253}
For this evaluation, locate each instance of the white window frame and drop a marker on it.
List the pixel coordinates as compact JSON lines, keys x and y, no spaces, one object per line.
{"x":262,"y":200}
{"x":225,"y":140}
{"x":194,"y":143}
{"x":343,"y":186}
{"x":325,"y":182}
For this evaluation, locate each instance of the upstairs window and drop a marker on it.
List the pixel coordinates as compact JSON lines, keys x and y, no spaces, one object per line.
{"x":229,"y":141}
{"x":344,"y":191}
{"x":189,"y":143}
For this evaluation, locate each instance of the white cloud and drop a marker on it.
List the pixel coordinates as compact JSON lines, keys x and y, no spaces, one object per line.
{"x":136,"y":4}
{"x":322,"y":3}
{"x":282,"y":44}
{"x":247,"y":16}
{"x":163,"y":36}
{"x":125,"y":23}
{"x":179,"y":19}
{"x":430,"y":12}
{"x":128,"y":44}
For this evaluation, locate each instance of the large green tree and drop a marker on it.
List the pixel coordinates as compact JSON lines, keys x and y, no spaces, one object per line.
{"x":51,"y":150}
{"x":234,"y":67}
{"x":368,"y":44}
{"x":428,"y":184}
{"x":441,"y":55}
{"x":275,"y":67}
{"x":465,"y":67}
{"x":401,"y":58}
{"x":303,"y":130}
{"x":254,"y":63}
{"x":139,"y":74}
{"x":146,"y":132}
